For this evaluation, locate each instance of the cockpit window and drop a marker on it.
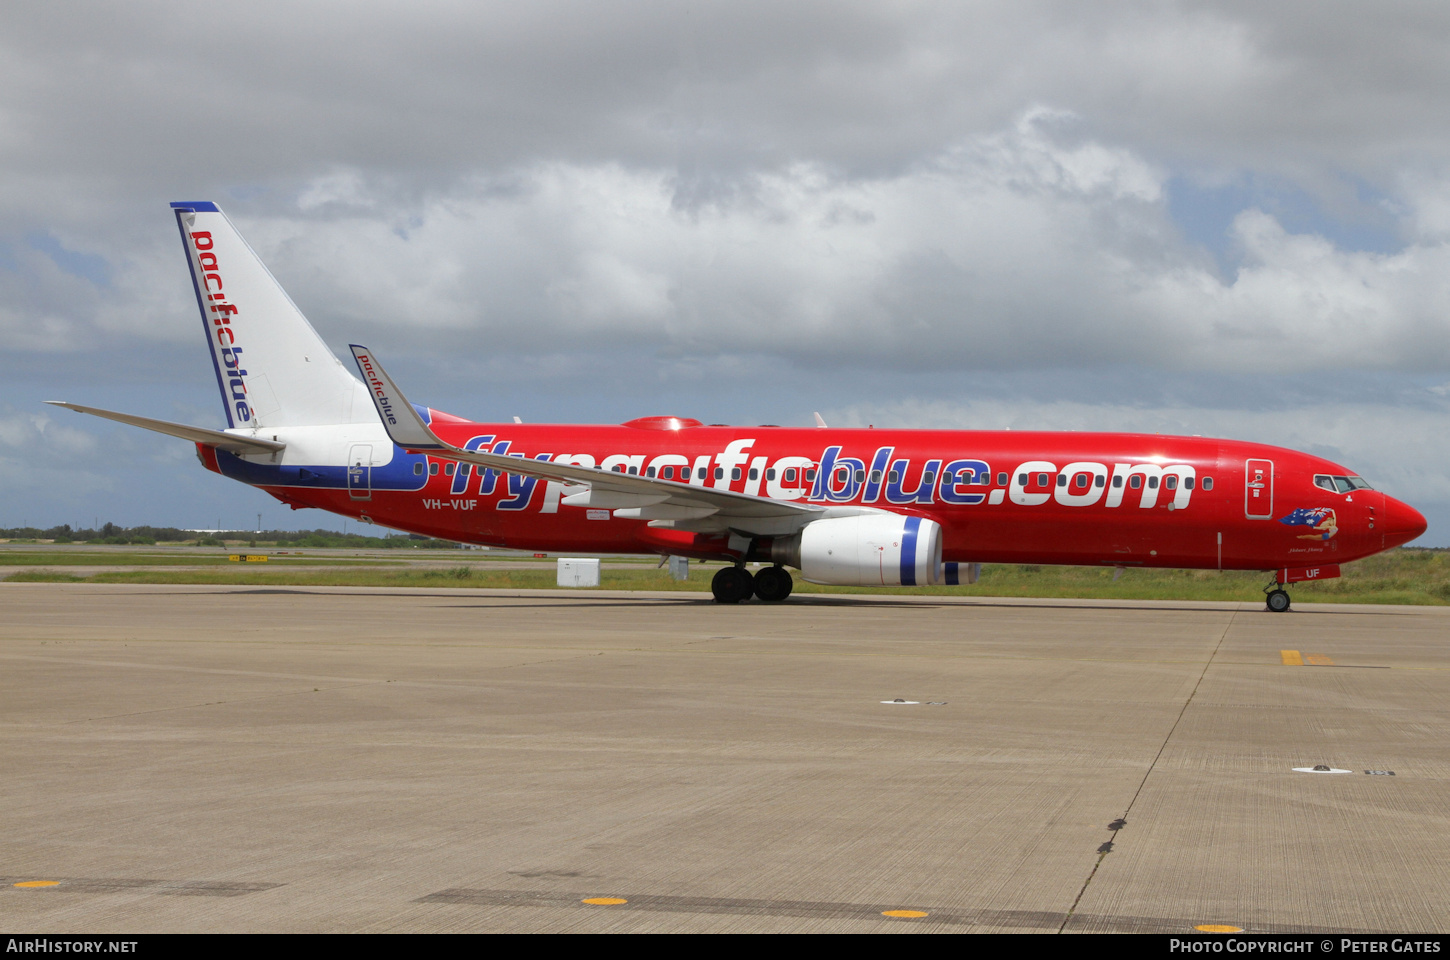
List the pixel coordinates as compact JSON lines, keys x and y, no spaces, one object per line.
{"x":1340,"y":484}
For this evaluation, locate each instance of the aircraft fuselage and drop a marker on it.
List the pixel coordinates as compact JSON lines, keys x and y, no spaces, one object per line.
{"x":999,"y":496}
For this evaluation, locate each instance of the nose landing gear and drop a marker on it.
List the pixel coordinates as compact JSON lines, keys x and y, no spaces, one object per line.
{"x":1276,"y":598}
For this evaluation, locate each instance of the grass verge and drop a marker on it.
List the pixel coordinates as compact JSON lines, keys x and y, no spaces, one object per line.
{"x":1397,"y":577}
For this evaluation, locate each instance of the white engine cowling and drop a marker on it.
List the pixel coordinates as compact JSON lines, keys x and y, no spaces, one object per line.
{"x":874,"y":550}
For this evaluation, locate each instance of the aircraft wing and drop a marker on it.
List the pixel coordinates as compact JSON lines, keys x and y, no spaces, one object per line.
{"x":230,"y":442}
{"x":647,"y":498}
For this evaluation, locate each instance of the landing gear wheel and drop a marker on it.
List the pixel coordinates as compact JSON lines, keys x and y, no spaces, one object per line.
{"x":731,"y":585}
{"x":1278,"y":601}
{"x":773,"y":584}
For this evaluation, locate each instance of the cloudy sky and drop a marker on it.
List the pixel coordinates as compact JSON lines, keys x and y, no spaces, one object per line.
{"x":1230,"y":219}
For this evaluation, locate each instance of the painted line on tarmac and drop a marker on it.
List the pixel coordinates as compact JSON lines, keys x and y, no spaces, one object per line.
{"x":834,"y":910}
{"x":185,"y":888}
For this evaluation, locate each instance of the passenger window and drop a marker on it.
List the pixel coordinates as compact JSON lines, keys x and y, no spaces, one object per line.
{"x":633,"y":471}
{"x":860,"y":476}
{"x":1117,"y":482}
{"x":811,"y":475}
{"x":1152,"y":483}
{"x":448,"y":469}
{"x":719,"y":473}
{"x":895,"y":476}
{"x":417,"y":469}
{"x":1170,"y":483}
{"x":464,"y":469}
{"x":875,"y":476}
{"x":754,"y":473}
{"x":1100,"y":481}
{"x":1135,"y":481}
{"x":928,"y":478}
{"x":1207,"y":483}
{"x":1062,"y":479}
{"x":769,"y":473}
{"x":734,"y":473}
{"x":790,"y":474}
{"x":433,"y":469}
{"x":1188,"y":483}
{"x":618,"y":468}
{"x":668,"y":473}
{"x":843,"y":475}
{"x":1082,"y":480}
{"x":1042,"y":479}
{"x":703,"y":473}
{"x":1001,"y":479}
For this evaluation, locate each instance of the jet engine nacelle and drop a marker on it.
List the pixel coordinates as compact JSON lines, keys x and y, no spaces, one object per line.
{"x":872,"y":550}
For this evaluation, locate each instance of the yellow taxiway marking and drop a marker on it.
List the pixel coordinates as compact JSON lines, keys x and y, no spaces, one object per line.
{"x":908,"y":914}
{"x":1318,"y":660}
{"x":1218,"y":928}
{"x":38,"y":883}
{"x":1291,"y":658}
{"x":605,"y":901}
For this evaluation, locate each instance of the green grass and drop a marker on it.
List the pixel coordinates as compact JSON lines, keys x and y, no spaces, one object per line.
{"x":44,"y":576}
{"x":80,"y":557}
{"x":1399,"y":576}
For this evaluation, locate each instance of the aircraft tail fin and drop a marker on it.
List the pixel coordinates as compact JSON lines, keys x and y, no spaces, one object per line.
{"x":272,"y":368}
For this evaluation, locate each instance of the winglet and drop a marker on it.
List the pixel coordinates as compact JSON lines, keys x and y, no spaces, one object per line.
{"x":820,"y":424}
{"x":404,"y":426}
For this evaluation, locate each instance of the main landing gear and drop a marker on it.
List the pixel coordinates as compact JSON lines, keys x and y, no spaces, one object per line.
{"x":1277,"y":598}
{"x":734,"y":584}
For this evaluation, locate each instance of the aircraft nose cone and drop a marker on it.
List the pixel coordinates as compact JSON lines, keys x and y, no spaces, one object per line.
{"x":1401,"y":523}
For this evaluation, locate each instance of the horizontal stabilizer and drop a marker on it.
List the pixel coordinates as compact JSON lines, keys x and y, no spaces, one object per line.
{"x":229,"y":442}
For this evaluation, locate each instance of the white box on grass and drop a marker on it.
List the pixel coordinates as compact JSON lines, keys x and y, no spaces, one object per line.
{"x":577,"y":572}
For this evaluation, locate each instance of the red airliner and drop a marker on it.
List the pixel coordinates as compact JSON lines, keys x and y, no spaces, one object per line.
{"x":849,"y":507}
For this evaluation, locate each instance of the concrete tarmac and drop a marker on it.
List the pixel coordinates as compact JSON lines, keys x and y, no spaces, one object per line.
{"x":226,"y":758}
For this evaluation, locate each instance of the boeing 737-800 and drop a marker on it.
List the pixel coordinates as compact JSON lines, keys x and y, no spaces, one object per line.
{"x":850,"y":507}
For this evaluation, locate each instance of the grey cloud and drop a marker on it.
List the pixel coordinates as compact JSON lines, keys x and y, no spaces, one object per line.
{"x":212,"y":95}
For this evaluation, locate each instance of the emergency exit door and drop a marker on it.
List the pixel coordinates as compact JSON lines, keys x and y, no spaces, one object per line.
{"x":1259,"y":489}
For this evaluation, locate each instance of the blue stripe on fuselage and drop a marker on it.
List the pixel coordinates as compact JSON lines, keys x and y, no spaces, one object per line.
{"x":395,"y":475}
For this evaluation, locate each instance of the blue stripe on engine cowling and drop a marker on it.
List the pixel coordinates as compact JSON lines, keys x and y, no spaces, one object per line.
{"x":908,"y":551}
{"x":952,"y":577}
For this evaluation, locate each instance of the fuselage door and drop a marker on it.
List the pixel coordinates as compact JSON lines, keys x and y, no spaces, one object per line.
{"x":1259,"y":489}
{"x":359,"y":471}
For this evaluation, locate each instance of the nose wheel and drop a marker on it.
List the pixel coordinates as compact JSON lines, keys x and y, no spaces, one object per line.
{"x":1277,"y":599}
